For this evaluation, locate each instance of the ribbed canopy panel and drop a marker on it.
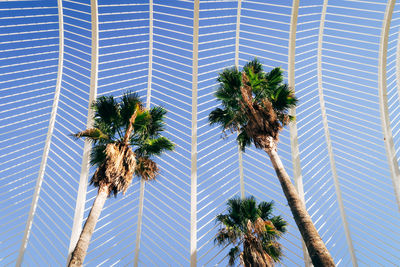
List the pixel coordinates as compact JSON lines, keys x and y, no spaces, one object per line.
{"x":342,"y":59}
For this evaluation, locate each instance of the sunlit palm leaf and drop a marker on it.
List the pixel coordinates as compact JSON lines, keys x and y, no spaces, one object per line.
{"x":248,"y":224}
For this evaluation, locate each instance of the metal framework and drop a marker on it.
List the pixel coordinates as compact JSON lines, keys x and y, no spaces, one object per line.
{"x":83,"y":181}
{"x":340,"y":57}
{"x":328,"y":138}
{"x":46,"y":149}
{"x":193,"y":176}
{"x":383,"y":102}
{"x":240,"y":153}
{"x":148,"y":98}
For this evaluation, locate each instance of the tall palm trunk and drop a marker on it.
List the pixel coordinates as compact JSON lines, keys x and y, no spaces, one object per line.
{"x":79,"y":253}
{"x":319,"y":254}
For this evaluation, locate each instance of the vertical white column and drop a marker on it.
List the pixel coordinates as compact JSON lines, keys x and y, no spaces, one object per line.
{"x":294,"y":143}
{"x":83,"y":181}
{"x":383,"y":101}
{"x":148,"y":97}
{"x":50,"y":130}
{"x":193,"y":176}
{"x":328,"y":138}
{"x":240,"y":153}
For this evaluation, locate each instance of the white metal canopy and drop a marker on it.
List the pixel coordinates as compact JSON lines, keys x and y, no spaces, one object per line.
{"x":342,"y":58}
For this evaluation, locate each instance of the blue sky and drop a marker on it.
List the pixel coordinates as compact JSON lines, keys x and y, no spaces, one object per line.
{"x":29,"y":45}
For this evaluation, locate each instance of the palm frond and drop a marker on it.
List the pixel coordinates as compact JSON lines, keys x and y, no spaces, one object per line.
{"x":274,"y":250}
{"x":93,"y":134}
{"x":146,"y":168}
{"x":154,"y":147}
{"x":274,"y":78}
{"x":282,"y":98}
{"x":279,"y":223}
{"x":266,"y":209}
{"x":107,"y":114}
{"x":233,"y":255}
{"x":224,"y":118}
{"x":243,"y":139}
{"x":254,"y":103}
{"x":254,"y":65}
{"x":157,"y":125}
{"x":117,"y":168}
{"x":98,"y":154}
{"x":246,"y":222}
{"x":115,"y":124}
{"x":129,"y":103}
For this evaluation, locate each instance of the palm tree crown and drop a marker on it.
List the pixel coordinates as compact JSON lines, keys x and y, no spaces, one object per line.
{"x":254,"y":227}
{"x":125,"y":138}
{"x":254,"y":103}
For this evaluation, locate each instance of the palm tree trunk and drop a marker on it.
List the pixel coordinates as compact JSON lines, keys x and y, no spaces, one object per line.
{"x":79,"y":253}
{"x":319,"y":254}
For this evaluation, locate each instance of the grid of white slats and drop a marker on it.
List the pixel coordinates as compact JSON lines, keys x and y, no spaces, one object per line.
{"x":28,"y":73}
{"x":343,"y":161}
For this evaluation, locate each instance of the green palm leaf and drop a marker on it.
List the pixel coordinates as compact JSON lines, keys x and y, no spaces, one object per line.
{"x":107,"y":115}
{"x":269,"y":99}
{"x":234,"y":227}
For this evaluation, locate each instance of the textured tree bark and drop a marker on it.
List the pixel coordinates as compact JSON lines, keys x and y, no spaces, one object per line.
{"x":79,"y":253}
{"x":319,"y":254}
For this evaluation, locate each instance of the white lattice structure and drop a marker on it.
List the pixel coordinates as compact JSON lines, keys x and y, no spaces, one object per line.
{"x":342,"y":58}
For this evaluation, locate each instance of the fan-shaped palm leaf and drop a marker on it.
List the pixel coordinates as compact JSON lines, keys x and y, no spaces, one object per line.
{"x":251,"y":226}
{"x":125,"y":137}
{"x":256,"y":105}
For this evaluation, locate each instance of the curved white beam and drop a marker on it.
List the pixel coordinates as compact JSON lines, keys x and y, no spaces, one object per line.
{"x":383,"y":102}
{"x":148,"y":97}
{"x":328,"y":137}
{"x":83,"y":181}
{"x":50,"y":130}
{"x":240,"y":153}
{"x":294,"y":142}
{"x":239,"y":10}
{"x":193,"y":178}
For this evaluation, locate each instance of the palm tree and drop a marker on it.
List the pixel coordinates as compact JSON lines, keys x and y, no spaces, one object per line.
{"x":254,"y":228}
{"x":125,"y":136}
{"x":256,"y":104}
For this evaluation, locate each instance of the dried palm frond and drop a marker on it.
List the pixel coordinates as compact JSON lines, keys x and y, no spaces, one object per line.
{"x":263,"y":121}
{"x":92,"y":133}
{"x":253,"y":254}
{"x":117,"y":169}
{"x":146,"y":168}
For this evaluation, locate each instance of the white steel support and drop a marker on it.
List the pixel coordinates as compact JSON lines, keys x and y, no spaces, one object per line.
{"x":294,"y":142}
{"x":383,"y":102}
{"x":193,"y":176}
{"x":148,"y":98}
{"x":50,"y":130}
{"x":83,"y":181}
{"x":239,"y":10}
{"x":328,"y":138}
{"x":240,"y":153}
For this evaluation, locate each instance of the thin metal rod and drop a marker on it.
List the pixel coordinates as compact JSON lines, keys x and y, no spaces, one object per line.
{"x":148,"y":98}
{"x":46,"y":149}
{"x":83,"y":181}
{"x":193,"y":178}
{"x":328,"y":138}
{"x":383,"y":102}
